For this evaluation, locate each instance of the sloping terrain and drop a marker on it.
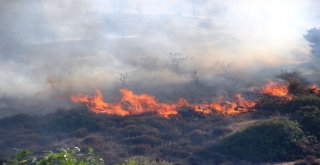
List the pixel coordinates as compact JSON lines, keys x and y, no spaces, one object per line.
{"x":188,"y":137}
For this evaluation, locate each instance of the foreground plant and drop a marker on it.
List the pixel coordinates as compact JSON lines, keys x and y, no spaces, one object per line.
{"x":64,"y":156}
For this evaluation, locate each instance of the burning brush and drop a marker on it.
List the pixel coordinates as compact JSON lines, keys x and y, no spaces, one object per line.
{"x":131,"y":103}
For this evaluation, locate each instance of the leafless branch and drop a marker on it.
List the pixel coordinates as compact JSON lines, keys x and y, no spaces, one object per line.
{"x":123,"y":79}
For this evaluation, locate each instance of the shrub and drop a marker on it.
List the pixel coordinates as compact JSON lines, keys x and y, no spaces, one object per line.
{"x":302,"y":101}
{"x":66,"y":121}
{"x":220,"y":131}
{"x":296,"y":87}
{"x":140,"y":149}
{"x":268,"y":104}
{"x":81,"y":132}
{"x":198,"y":135}
{"x":276,"y":139}
{"x":139,"y":160}
{"x":309,"y":118}
{"x":20,"y":120}
{"x":64,"y":156}
{"x":94,"y":139}
{"x":280,"y":105}
{"x":144,"y":139}
{"x":173,"y":150}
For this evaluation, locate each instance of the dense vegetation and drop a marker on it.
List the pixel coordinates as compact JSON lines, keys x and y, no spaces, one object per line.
{"x":187,"y":138}
{"x":64,"y":156}
{"x":113,"y":137}
{"x":73,"y":156}
{"x":276,"y":139}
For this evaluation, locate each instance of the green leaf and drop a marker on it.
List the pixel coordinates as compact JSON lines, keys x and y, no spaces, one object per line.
{"x":23,"y":154}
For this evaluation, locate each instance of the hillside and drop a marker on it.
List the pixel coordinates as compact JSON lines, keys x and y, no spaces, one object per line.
{"x":276,"y":132}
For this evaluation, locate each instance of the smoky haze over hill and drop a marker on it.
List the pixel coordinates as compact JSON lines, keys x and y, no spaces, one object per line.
{"x":182,"y":48}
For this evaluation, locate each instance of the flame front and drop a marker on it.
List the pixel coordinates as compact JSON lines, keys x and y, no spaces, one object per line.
{"x":137,"y":104}
{"x":237,"y":106}
{"x":131,"y":103}
{"x":276,"y":89}
{"x":314,"y":89}
{"x":98,"y":105}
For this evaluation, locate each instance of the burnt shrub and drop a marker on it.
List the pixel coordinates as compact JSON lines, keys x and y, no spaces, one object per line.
{"x":160,"y":123}
{"x":284,"y":106}
{"x":269,"y":104}
{"x":81,"y":132}
{"x":172,"y":150}
{"x":140,"y":149}
{"x":140,"y":160}
{"x":302,"y":101}
{"x":291,"y":76}
{"x":189,"y":113}
{"x":26,"y":139}
{"x":66,"y":121}
{"x":130,"y":130}
{"x":276,"y":139}
{"x":198,"y":136}
{"x":18,"y":121}
{"x":93,"y":140}
{"x":143,"y":139}
{"x":220,"y":131}
{"x":296,"y":87}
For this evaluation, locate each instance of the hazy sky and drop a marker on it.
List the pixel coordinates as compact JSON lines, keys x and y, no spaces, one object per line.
{"x":74,"y":45}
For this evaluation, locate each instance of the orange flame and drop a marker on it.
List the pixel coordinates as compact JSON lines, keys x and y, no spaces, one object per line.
{"x":237,"y":106}
{"x":276,"y":89}
{"x":97,"y":105}
{"x":314,"y":89}
{"x":131,"y":103}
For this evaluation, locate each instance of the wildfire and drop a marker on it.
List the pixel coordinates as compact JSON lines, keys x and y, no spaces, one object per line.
{"x":276,"y":89}
{"x":131,"y":103}
{"x":98,"y":105}
{"x":314,"y":89}
{"x":237,"y":106}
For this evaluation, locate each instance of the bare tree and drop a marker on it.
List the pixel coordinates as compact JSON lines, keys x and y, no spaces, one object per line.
{"x":177,"y":60}
{"x":195,"y":77}
{"x":123,"y":79}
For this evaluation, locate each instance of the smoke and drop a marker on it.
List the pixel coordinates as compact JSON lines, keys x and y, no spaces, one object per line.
{"x":52,"y":49}
{"x":313,"y":36}
{"x":311,"y":68}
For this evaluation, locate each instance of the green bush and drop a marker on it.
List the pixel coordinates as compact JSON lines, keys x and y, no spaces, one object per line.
{"x":276,"y":139}
{"x":309,"y":118}
{"x":68,"y":156}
